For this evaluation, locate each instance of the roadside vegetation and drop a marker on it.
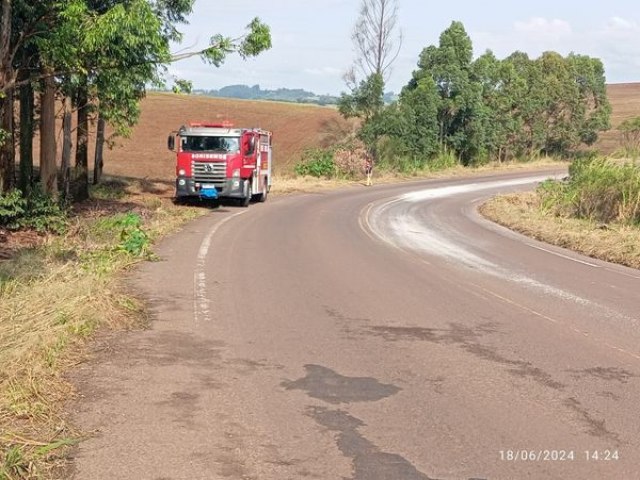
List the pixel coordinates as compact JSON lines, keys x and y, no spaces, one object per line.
{"x":457,"y":110}
{"x":595,"y":210}
{"x":455,"y":114}
{"x":70,"y":69}
{"x":54,"y":296}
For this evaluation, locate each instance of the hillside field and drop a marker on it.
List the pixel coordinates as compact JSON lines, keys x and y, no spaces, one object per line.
{"x":625,"y":103}
{"x":295,"y":128}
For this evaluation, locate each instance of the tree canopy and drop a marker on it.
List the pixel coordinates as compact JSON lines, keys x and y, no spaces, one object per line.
{"x":97,"y":55}
{"x":487,"y":108}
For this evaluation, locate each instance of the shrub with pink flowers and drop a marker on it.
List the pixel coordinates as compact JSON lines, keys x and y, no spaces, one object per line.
{"x":350,"y":159}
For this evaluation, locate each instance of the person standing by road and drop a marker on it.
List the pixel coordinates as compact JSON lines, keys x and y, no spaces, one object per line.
{"x":368,"y":167}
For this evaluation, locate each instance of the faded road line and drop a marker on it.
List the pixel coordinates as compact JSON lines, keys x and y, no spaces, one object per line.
{"x":201,"y":309}
{"x":566,"y":257}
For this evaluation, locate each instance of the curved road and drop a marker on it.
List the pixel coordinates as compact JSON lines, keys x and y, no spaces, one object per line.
{"x":369,"y":334}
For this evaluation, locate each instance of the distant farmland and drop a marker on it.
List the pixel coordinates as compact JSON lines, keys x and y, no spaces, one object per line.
{"x":296,"y":127}
{"x":625,"y":101}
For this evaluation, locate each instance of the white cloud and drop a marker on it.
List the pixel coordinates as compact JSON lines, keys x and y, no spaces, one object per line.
{"x":324,"y":71}
{"x":622,"y":25}
{"x":540,"y":27}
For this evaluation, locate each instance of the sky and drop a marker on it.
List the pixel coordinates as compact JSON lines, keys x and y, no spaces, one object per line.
{"x":312,"y":46}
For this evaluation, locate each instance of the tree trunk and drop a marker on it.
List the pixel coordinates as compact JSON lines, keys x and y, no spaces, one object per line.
{"x":82,"y":144}
{"x":48,"y":171}
{"x":7,"y":152}
{"x":66,"y":148}
{"x":26,"y":138}
{"x":99,"y":163}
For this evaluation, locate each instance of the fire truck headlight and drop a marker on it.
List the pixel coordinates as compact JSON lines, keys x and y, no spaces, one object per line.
{"x":182,"y":182}
{"x":236,"y":173}
{"x":182,"y":172}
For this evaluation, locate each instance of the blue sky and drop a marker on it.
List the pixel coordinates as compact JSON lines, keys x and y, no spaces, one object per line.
{"x":312,"y":45}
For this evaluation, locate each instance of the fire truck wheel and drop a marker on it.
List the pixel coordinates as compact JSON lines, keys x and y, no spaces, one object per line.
{"x":246,"y":200}
{"x":265,"y":190}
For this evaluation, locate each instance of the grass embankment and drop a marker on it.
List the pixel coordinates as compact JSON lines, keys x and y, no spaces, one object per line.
{"x":53,"y":298}
{"x":284,"y":184}
{"x":596,"y":211}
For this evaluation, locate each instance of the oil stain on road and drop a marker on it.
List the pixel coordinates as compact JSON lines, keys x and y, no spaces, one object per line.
{"x":325,"y":384}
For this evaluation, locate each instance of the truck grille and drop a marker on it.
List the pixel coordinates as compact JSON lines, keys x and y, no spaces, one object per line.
{"x":209,"y":172}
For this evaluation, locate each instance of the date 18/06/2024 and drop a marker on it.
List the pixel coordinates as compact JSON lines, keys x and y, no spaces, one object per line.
{"x":523,"y":455}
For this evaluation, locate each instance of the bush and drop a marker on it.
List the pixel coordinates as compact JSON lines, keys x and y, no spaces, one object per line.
{"x":444,"y":159}
{"x":349,"y":159}
{"x":630,"y":142}
{"x":37,"y":211}
{"x":317,"y":162}
{"x":597,"y":190}
{"x":12,"y":208}
{"x":126,"y":229}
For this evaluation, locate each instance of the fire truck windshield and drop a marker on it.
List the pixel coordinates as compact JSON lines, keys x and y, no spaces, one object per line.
{"x":210,"y":144}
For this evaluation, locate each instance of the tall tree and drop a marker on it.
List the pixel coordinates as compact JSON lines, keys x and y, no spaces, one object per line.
{"x":377,"y":40}
{"x":376,"y":37}
{"x":449,"y":65}
{"x":103,"y":54}
{"x":7,"y":86}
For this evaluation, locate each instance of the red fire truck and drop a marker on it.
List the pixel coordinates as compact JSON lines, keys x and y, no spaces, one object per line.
{"x":216,"y":160}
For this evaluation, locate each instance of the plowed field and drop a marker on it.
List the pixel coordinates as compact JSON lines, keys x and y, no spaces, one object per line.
{"x":295,"y":128}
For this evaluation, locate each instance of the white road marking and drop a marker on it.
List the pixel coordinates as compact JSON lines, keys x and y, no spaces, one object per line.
{"x":567,"y":257}
{"x":622,"y":273}
{"x":201,"y":304}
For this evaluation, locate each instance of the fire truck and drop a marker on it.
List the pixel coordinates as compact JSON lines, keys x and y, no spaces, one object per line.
{"x":218,"y":161}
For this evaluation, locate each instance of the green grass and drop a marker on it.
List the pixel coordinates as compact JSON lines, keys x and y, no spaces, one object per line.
{"x":599,"y":190}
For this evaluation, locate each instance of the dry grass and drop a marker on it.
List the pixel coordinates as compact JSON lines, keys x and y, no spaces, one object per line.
{"x":521,"y":212}
{"x":289,"y":184}
{"x":52,"y":301}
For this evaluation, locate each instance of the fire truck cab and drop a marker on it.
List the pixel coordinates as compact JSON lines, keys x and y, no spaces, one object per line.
{"x":216,"y":160}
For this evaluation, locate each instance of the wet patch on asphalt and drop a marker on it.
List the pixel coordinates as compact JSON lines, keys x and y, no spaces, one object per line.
{"x":248,"y":366}
{"x":325,"y":384}
{"x":182,"y":406}
{"x":173,"y":347}
{"x":609,"y":395}
{"x":609,"y":374}
{"x":467,"y":339}
{"x":595,"y":427}
{"x":369,"y":462}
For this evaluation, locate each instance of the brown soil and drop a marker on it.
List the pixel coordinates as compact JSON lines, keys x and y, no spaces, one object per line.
{"x":625,"y":103}
{"x":295,"y":128}
{"x":11,"y":242}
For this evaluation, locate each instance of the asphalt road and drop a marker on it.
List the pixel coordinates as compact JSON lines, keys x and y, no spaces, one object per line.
{"x":368,"y":334}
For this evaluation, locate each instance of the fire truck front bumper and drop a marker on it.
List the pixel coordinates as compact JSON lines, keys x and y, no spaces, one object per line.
{"x":231,"y":188}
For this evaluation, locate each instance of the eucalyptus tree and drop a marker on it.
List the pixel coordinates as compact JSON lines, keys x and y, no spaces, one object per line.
{"x":377,"y":40}
{"x":7,"y":83}
{"x":99,"y":53}
{"x":376,"y":37}
{"x":449,"y":65}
